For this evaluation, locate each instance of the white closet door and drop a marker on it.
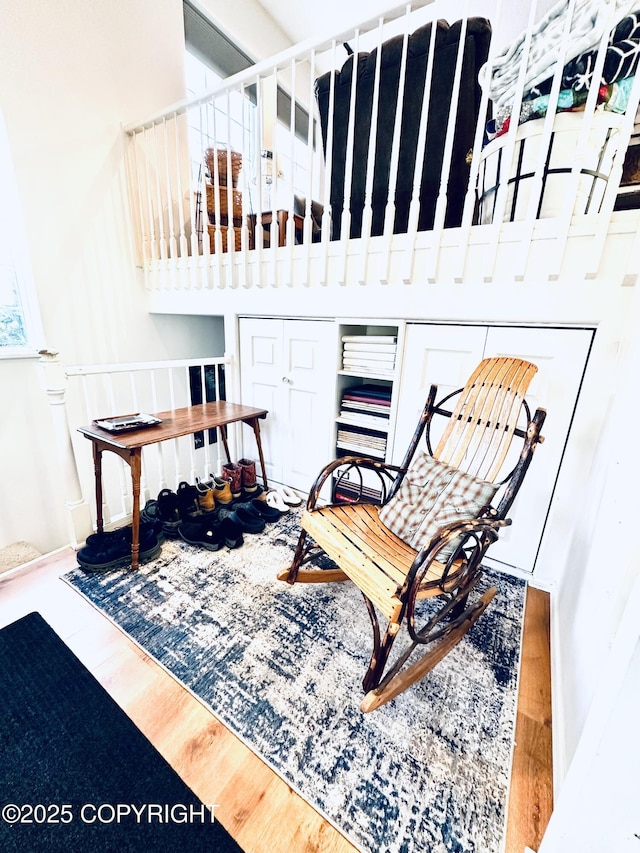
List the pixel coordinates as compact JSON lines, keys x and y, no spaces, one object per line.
{"x":433,"y":355}
{"x":560,"y":356}
{"x":309,"y":373}
{"x":288,"y":367}
{"x":447,"y":355}
{"x":261,"y":386}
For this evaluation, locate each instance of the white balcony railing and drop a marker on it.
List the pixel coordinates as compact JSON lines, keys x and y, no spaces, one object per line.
{"x":300,"y":172}
{"x":82,"y":393}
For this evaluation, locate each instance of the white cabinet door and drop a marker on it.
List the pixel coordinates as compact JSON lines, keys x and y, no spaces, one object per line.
{"x":447,"y":355}
{"x":288,"y":367}
{"x":560,"y":356}
{"x":433,"y":355}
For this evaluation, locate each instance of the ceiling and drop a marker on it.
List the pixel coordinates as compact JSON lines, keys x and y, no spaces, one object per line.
{"x":299,"y":19}
{"x":321,"y":19}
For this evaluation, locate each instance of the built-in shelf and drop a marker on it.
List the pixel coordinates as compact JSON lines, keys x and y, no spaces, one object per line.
{"x":365,"y":404}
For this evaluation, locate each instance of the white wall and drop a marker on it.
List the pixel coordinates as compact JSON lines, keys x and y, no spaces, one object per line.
{"x":601,"y":565}
{"x":70,"y":74}
{"x":597,"y":809}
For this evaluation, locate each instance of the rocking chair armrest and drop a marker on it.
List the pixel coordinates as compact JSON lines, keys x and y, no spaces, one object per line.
{"x":363,"y":462}
{"x":429,"y":552}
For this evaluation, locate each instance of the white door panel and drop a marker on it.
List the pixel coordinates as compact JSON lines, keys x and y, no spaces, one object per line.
{"x":560,"y":356}
{"x":306,"y":450}
{"x":262,"y":396}
{"x":285,"y":369}
{"x":434,"y":355}
{"x":447,"y":355}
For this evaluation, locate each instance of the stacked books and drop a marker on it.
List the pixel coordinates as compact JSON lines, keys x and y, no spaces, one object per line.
{"x":363,"y":422}
{"x":369,"y":354}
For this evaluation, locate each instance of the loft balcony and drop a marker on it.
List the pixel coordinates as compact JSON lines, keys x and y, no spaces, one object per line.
{"x":383,"y":155}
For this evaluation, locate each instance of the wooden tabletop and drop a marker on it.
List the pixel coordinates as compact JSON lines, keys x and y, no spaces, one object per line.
{"x":175,"y":423}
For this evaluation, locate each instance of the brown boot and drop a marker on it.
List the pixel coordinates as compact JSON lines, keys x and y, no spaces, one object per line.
{"x":248,"y":468}
{"x":233,"y":473}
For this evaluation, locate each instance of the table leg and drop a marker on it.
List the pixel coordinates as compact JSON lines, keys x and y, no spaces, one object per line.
{"x":223,"y":435}
{"x":255,"y":423}
{"x":135,"y":461}
{"x":97,"y":469}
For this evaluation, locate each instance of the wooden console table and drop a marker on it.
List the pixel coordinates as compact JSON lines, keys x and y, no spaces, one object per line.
{"x":175,"y":423}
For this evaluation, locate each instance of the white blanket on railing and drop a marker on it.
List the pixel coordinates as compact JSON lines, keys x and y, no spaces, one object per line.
{"x":591,"y":18}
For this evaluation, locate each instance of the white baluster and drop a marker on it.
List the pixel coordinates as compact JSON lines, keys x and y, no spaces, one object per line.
{"x":260,"y":176}
{"x":273,"y":228}
{"x":345,"y":224}
{"x":243,"y":269}
{"x":173,"y":242}
{"x":290,"y":223}
{"x":164,"y":253}
{"x":508,"y":152}
{"x":327,"y":213}
{"x":545,"y":141}
{"x":472,"y":187}
{"x":441,"y":204}
{"x":421,"y":144}
{"x":367,"y":211}
{"x":152,"y":226}
{"x":307,"y":228}
{"x":390,"y":210}
{"x":183,"y":246}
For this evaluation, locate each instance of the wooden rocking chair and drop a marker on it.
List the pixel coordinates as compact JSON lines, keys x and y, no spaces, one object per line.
{"x":392,"y":575}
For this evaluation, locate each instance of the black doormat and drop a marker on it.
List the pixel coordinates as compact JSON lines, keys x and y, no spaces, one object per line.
{"x":76,"y":774}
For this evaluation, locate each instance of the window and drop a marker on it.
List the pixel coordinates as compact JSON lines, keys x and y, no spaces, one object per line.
{"x":211,"y":379}
{"x":20,"y":331}
{"x":210,"y":57}
{"x":231,"y":120}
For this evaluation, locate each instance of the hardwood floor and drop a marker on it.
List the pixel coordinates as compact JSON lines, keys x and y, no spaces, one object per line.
{"x":260,"y":810}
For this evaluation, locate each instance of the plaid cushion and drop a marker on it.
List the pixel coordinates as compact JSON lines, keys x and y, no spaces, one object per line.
{"x":433,"y":495}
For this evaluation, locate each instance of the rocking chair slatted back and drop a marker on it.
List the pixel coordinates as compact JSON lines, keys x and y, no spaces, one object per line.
{"x":492,"y":398}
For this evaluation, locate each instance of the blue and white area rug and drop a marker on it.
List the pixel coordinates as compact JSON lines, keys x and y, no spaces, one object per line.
{"x":282,"y":667}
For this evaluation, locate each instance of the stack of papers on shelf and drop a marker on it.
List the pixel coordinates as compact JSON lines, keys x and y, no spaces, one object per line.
{"x":369,"y":354}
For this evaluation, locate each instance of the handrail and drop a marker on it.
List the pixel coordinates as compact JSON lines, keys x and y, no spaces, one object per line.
{"x":95,"y":369}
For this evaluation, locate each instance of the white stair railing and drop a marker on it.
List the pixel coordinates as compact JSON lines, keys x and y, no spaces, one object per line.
{"x":80,"y":394}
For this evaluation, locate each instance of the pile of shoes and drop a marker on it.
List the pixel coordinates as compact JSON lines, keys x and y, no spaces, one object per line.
{"x":111,"y":549}
{"x":209,"y":514}
{"x":217,"y":512}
